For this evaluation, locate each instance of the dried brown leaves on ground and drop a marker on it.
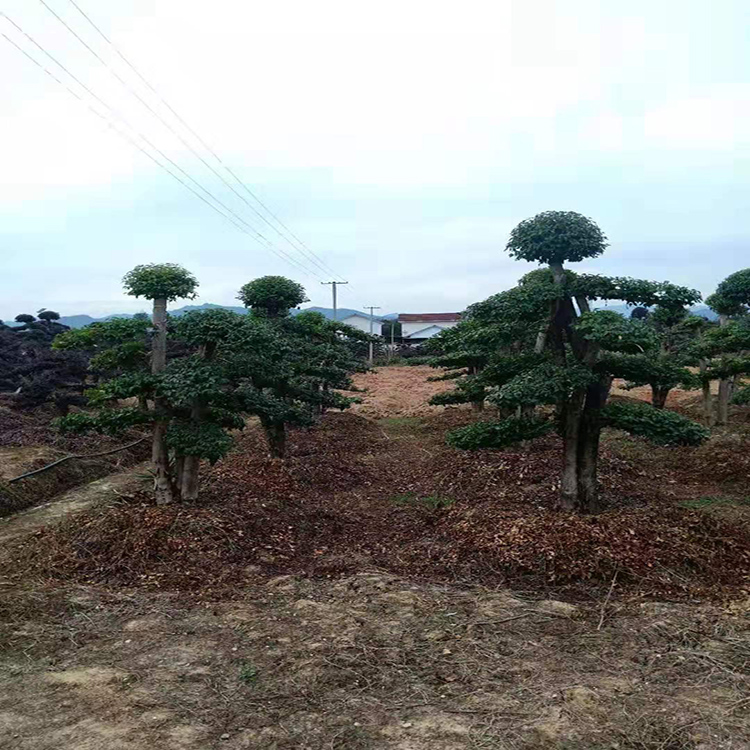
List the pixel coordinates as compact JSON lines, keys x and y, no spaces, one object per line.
{"x":355,"y":493}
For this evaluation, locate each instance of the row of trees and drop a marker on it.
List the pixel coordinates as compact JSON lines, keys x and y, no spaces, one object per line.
{"x":545,"y":358}
{"x":195,"y":379}
{"x":31,"y":372}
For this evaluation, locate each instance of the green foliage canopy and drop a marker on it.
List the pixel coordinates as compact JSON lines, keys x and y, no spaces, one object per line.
{"x":272,"y":296}
{"x":167,"y":281}
{"x":556,"y":236}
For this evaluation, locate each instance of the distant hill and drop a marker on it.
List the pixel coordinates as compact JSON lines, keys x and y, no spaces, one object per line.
{"x":79,"y":321}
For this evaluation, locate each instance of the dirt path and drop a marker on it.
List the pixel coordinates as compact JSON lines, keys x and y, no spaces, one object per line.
{"x":70,"y":502}
{"x":398,"y":392}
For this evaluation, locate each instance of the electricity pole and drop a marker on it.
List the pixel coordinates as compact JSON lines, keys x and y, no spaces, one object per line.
{"x":333,"y":285}
{"x":371,"y":308}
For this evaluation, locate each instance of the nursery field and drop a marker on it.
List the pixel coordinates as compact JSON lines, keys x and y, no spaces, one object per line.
{"x":379,"y":589}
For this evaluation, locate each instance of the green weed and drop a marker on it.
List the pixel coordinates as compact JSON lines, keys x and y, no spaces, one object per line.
{"x":248,"y":673}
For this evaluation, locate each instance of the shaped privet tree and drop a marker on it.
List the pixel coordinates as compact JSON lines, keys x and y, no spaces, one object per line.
{"x":198,"y":395}
{"x":161,"y":283}
{"x":270,"y":299}
{"x":291,"y":380}
{"x":731,"y":301}
{"x":463,"y":351}
{"x":32,"y":372}
{"x":668,"y":366}
{"x":560,"y":352}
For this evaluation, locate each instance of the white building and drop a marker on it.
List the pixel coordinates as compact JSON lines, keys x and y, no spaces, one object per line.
{"x":362,"y":321}
{"x":418,"y":327}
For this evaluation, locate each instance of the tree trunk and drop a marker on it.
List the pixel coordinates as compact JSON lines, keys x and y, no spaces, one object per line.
{"x":276,"y":436}
{"x":589,"y":434}
{"x":708,"y":410}
{"x":160,"y":459}
{"x":159,"y":453}
{"x":571,"y":424}
{"x":477,"y":406}
{"x":190,"y":478}
{"x":179,"y":470}
{"x":722,"y":401}
{"x":659,"y":396}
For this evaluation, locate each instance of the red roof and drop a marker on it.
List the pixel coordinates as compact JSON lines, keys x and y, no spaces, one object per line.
{"x":428,"y":317}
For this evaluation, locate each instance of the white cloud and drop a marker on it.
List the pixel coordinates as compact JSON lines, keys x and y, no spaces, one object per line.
{"x":716,"y":121}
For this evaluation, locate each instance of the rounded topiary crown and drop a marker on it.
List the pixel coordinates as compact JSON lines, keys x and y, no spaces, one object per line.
{"x":732,"y":296}
{"x":272,"y":294}
{"x":160,"y":281}
{"x":48,"y":315}
{"x":556,"y":236}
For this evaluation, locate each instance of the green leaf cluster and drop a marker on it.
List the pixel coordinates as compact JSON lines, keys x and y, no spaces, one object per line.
{"x":658,"y":426}
{"x":167,"y":281}
{"x":498,"y":434}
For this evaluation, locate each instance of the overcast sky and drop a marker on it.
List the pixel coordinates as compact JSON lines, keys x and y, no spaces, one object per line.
{"x":401,"y":140}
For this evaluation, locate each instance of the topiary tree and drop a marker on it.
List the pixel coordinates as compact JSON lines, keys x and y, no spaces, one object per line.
{"x":48,"y":315}
{"x":724,"y":353}
{"x":292,"y":377}
{"x":161,"y":283}
{"x":667,"y":367}
{"x":464,"y":351}
{"x":272,"y":296}
{"x":25,"y":318}
{"x":731,"y":301}
{"x":34,"y":374}
{"x":640,"y":313}
{"x":197,"y":395}
{"x":558,"y":351}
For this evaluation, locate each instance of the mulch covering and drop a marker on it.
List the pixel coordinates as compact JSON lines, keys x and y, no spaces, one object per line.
{"x":333,"y":507}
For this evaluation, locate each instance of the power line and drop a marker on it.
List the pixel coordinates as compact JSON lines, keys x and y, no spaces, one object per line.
{"x":310,"y":254}
{"x":303,"y":247}
{"x":181,"y":120}
{"x":145,"y":139}
{"x":252,"y":233}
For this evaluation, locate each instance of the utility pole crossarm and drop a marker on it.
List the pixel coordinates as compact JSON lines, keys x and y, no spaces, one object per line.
{"x":333,"y":285}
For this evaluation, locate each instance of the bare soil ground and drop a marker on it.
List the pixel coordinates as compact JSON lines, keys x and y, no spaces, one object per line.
{"x":332,"y":600}
{"x":67,"y":504}
{"x":368,"y":661}
{"x":29,"y":441}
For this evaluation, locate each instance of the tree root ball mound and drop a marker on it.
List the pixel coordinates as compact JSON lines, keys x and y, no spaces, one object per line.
{"x":357,"y":494}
